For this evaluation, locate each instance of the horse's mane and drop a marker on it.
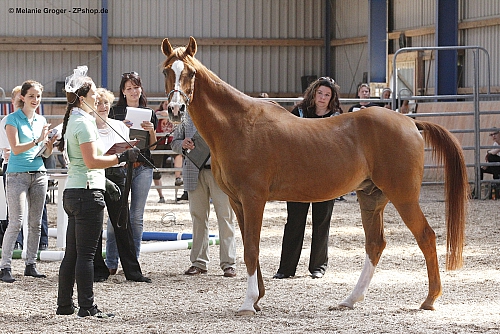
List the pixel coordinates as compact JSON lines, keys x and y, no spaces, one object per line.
{"x":181,"y":54}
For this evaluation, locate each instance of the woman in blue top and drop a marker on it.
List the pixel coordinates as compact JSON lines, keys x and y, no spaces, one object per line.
{"x":26,"y":177}
{"x":83,"y":198}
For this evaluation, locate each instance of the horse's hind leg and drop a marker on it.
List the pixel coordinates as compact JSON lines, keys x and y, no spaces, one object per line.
{"x":426,"y":239}
{"x":372,"y":202}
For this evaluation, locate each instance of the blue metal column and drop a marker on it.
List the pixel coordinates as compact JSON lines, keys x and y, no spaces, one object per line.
{"x":328,"y":48}
{"x":446,"y":35}
{"x":377,"y":41}
{"x":104,"y":46}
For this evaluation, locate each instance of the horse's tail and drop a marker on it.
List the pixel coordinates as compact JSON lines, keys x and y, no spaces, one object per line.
{"x":447,"y":150}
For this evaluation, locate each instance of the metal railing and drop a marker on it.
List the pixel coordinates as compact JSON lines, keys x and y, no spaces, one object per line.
{"x":475,"y":97}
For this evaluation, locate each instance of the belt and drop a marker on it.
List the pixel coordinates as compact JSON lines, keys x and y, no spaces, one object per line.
{"x":137,"y":164}
{"x":35,"y":171}
{"x":207,"y":167}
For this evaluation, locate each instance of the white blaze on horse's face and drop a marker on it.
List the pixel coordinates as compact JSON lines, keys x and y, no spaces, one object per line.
{"x":175,"y":104}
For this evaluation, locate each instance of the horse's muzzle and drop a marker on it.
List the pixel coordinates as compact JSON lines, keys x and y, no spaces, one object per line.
{"x":176,"y":111}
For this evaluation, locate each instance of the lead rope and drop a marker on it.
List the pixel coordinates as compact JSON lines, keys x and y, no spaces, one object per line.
{"x":124,"y":209}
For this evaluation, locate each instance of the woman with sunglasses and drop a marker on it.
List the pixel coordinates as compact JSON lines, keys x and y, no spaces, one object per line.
{"x":321,"y":100}
{"x":132,"y":95}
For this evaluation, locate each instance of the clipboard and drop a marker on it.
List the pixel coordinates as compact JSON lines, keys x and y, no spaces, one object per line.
{"x":142,"y":136}
{"x":201,"y":152}
{"x":43,"y":148}
{"x":121,"y":147}
{"x":41,"y":151}
{"x":138,"y":115}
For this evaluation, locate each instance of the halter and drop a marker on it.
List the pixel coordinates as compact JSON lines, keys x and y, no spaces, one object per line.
{"x":178,"y":67}
{"x":186,"y":97}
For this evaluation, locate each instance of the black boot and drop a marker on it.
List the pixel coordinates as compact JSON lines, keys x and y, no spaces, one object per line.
{"x":184,"y":196}
{"x":31,"y":271}
{"x":7,"y":275}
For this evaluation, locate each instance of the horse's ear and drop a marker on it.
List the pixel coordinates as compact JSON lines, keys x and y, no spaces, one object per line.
{"x":191,"y":47}
{"x":166,"y":47}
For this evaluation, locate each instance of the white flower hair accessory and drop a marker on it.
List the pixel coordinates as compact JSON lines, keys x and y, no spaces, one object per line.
{"x":76,"y":80}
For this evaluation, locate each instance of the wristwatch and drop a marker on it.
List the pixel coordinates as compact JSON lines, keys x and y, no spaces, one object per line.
{"x":35,"y":142}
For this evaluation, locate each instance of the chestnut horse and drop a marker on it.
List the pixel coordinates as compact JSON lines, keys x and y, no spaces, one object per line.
{"x":261,"y":152}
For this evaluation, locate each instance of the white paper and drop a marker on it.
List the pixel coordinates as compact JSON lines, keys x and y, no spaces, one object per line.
{"x":138,"y":115}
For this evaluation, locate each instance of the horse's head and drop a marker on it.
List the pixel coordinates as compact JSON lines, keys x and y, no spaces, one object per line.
{"x":179,"y":77}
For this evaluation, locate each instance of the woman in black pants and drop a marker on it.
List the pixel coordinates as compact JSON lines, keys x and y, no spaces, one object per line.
{"x":321,"y":100}
{"x":83,"y":198}
{"x":112,"y":131}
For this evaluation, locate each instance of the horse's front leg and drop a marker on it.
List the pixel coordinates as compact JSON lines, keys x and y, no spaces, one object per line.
{"x":250,"y":306}
{"x":372,"y":209}
{"x":252,"y":218}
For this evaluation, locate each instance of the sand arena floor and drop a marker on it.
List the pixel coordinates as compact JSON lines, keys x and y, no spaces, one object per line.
{"x":175,"y":303}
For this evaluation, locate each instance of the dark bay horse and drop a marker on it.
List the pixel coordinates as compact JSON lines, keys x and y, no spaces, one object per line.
{"x":261,"y":152}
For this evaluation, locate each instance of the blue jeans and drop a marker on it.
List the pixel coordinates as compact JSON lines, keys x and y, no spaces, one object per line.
{"x":22,"y":187}
{"x":142,"y":177}
{"x":85,"y":210}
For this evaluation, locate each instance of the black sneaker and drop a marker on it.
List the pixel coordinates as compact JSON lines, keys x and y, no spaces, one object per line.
{"x":279,"y":275}
{"x":140,"y":279}
{"x":66,"y":310}
{"x":94,"y":312}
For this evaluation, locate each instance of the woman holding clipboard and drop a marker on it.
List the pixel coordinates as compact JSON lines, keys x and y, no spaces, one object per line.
{"x":26,"y":179}
{"x":112,"y":131}
{"x":132,"y":95}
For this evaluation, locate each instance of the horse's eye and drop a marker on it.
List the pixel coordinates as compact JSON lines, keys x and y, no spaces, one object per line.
{"x":193,"y":74}
{"x":164,"y":72}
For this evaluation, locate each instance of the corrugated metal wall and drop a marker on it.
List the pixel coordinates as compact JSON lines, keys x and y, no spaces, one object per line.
{"x":46,"y":67}
{"x":487,"y":37}
{"x":47,"y":24}
{"x":251,"y":69}
{"x":351,"y":61}
{"x":413,"y":14}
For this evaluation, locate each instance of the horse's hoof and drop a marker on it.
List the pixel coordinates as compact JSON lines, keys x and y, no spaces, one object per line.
{"x":245,"y":313}
{"x":341,"y":307}
{"x":256,"y":307}
{"x":429,"y":307}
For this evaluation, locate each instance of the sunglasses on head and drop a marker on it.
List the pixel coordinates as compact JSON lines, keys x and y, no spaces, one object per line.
{"x":494,"y":133}
{"x":327,"y":79}
{"x":130,"y":74}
